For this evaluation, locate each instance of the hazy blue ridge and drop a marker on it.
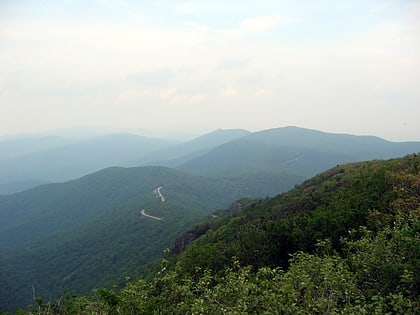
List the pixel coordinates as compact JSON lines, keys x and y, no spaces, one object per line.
{"x":78,"y":159}
{"x":178,"y":153}
{"x":294,"y":150}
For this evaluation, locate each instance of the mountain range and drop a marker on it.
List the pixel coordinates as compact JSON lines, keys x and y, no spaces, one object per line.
{"x":99,"y":228}
{"x":27,"y":162}
{"x":296,"y":151}
{"x":345,"y":241}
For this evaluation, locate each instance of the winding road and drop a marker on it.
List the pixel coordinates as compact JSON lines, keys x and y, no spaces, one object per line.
{"x":158,"y":194}
{"x":143,"y":213}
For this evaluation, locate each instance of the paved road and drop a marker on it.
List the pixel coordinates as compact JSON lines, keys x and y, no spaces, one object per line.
{"x":143,"y":213}
{"x":159,"y":193}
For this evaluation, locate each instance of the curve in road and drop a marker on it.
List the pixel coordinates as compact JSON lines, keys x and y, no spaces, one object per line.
{"x":143,"y":213}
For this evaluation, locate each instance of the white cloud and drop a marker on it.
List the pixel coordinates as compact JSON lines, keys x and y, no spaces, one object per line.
{"x":262,"y":92}
{"x":260,"y":23}
{"x":184,"y":99}
{"x":194,"y":7}
{"x":132,"y":95}
{"x":146,"y":68}
{"x":229,"y":92}
{"x":167,"y":93}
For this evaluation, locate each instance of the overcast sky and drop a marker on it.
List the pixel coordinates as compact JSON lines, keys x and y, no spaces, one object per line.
{"x":338,"y":66}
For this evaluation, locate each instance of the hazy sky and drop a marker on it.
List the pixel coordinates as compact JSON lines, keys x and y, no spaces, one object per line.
{"x":339,"y":66}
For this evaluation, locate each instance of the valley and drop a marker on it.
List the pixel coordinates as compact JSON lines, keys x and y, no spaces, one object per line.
{"x":344,"y":241}
{"x":80,"y":234}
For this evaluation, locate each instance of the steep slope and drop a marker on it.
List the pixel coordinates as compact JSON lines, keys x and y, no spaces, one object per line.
{"x":265,"y":233}
{"x":92,"y":231}
{"x":78,"y":159}
{"x":294,"y":151}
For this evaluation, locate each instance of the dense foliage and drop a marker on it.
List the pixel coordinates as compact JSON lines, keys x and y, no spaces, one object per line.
{"x":266,"y":232}
{"x":346,"y":241}
{"x":81,"y":234}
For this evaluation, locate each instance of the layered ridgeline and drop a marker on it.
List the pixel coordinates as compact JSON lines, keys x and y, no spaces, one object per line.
{"x":26,"y":162}
{"x":97,"y":229}
{"x":32,"y":160}
{"x":84,"y":233}
{"x":288,"y":151}
{"x":346,"y":241}
{"x":180,"y":153}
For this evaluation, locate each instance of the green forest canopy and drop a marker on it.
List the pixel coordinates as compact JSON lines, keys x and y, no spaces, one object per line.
{"x":346,"y":241}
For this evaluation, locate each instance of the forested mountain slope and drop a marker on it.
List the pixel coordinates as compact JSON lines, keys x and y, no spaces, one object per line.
{"x":344,"y":242}
{"x":53,"y":235}
{"x":266,"y":232}
{"x":91,"y":231}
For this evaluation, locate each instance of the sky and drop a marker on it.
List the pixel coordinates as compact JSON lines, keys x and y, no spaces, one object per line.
{"x":198,"y":65}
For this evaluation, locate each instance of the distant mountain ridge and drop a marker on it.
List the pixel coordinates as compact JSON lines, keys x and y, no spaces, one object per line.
{"x":53,"y":234}
{"x":176,"y":154}
{"x":57,"y":161}
{"x":341,"y":143}
{"x":78,"y":158}
{"x":294,"y":150}
{"x":20,"y":146}
{"x":224,"y":152}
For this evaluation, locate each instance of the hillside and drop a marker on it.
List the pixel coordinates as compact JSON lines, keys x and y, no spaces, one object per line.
{"x":266,"y":232}
{"x":344,"y":242}
{"x":54,"y":235}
